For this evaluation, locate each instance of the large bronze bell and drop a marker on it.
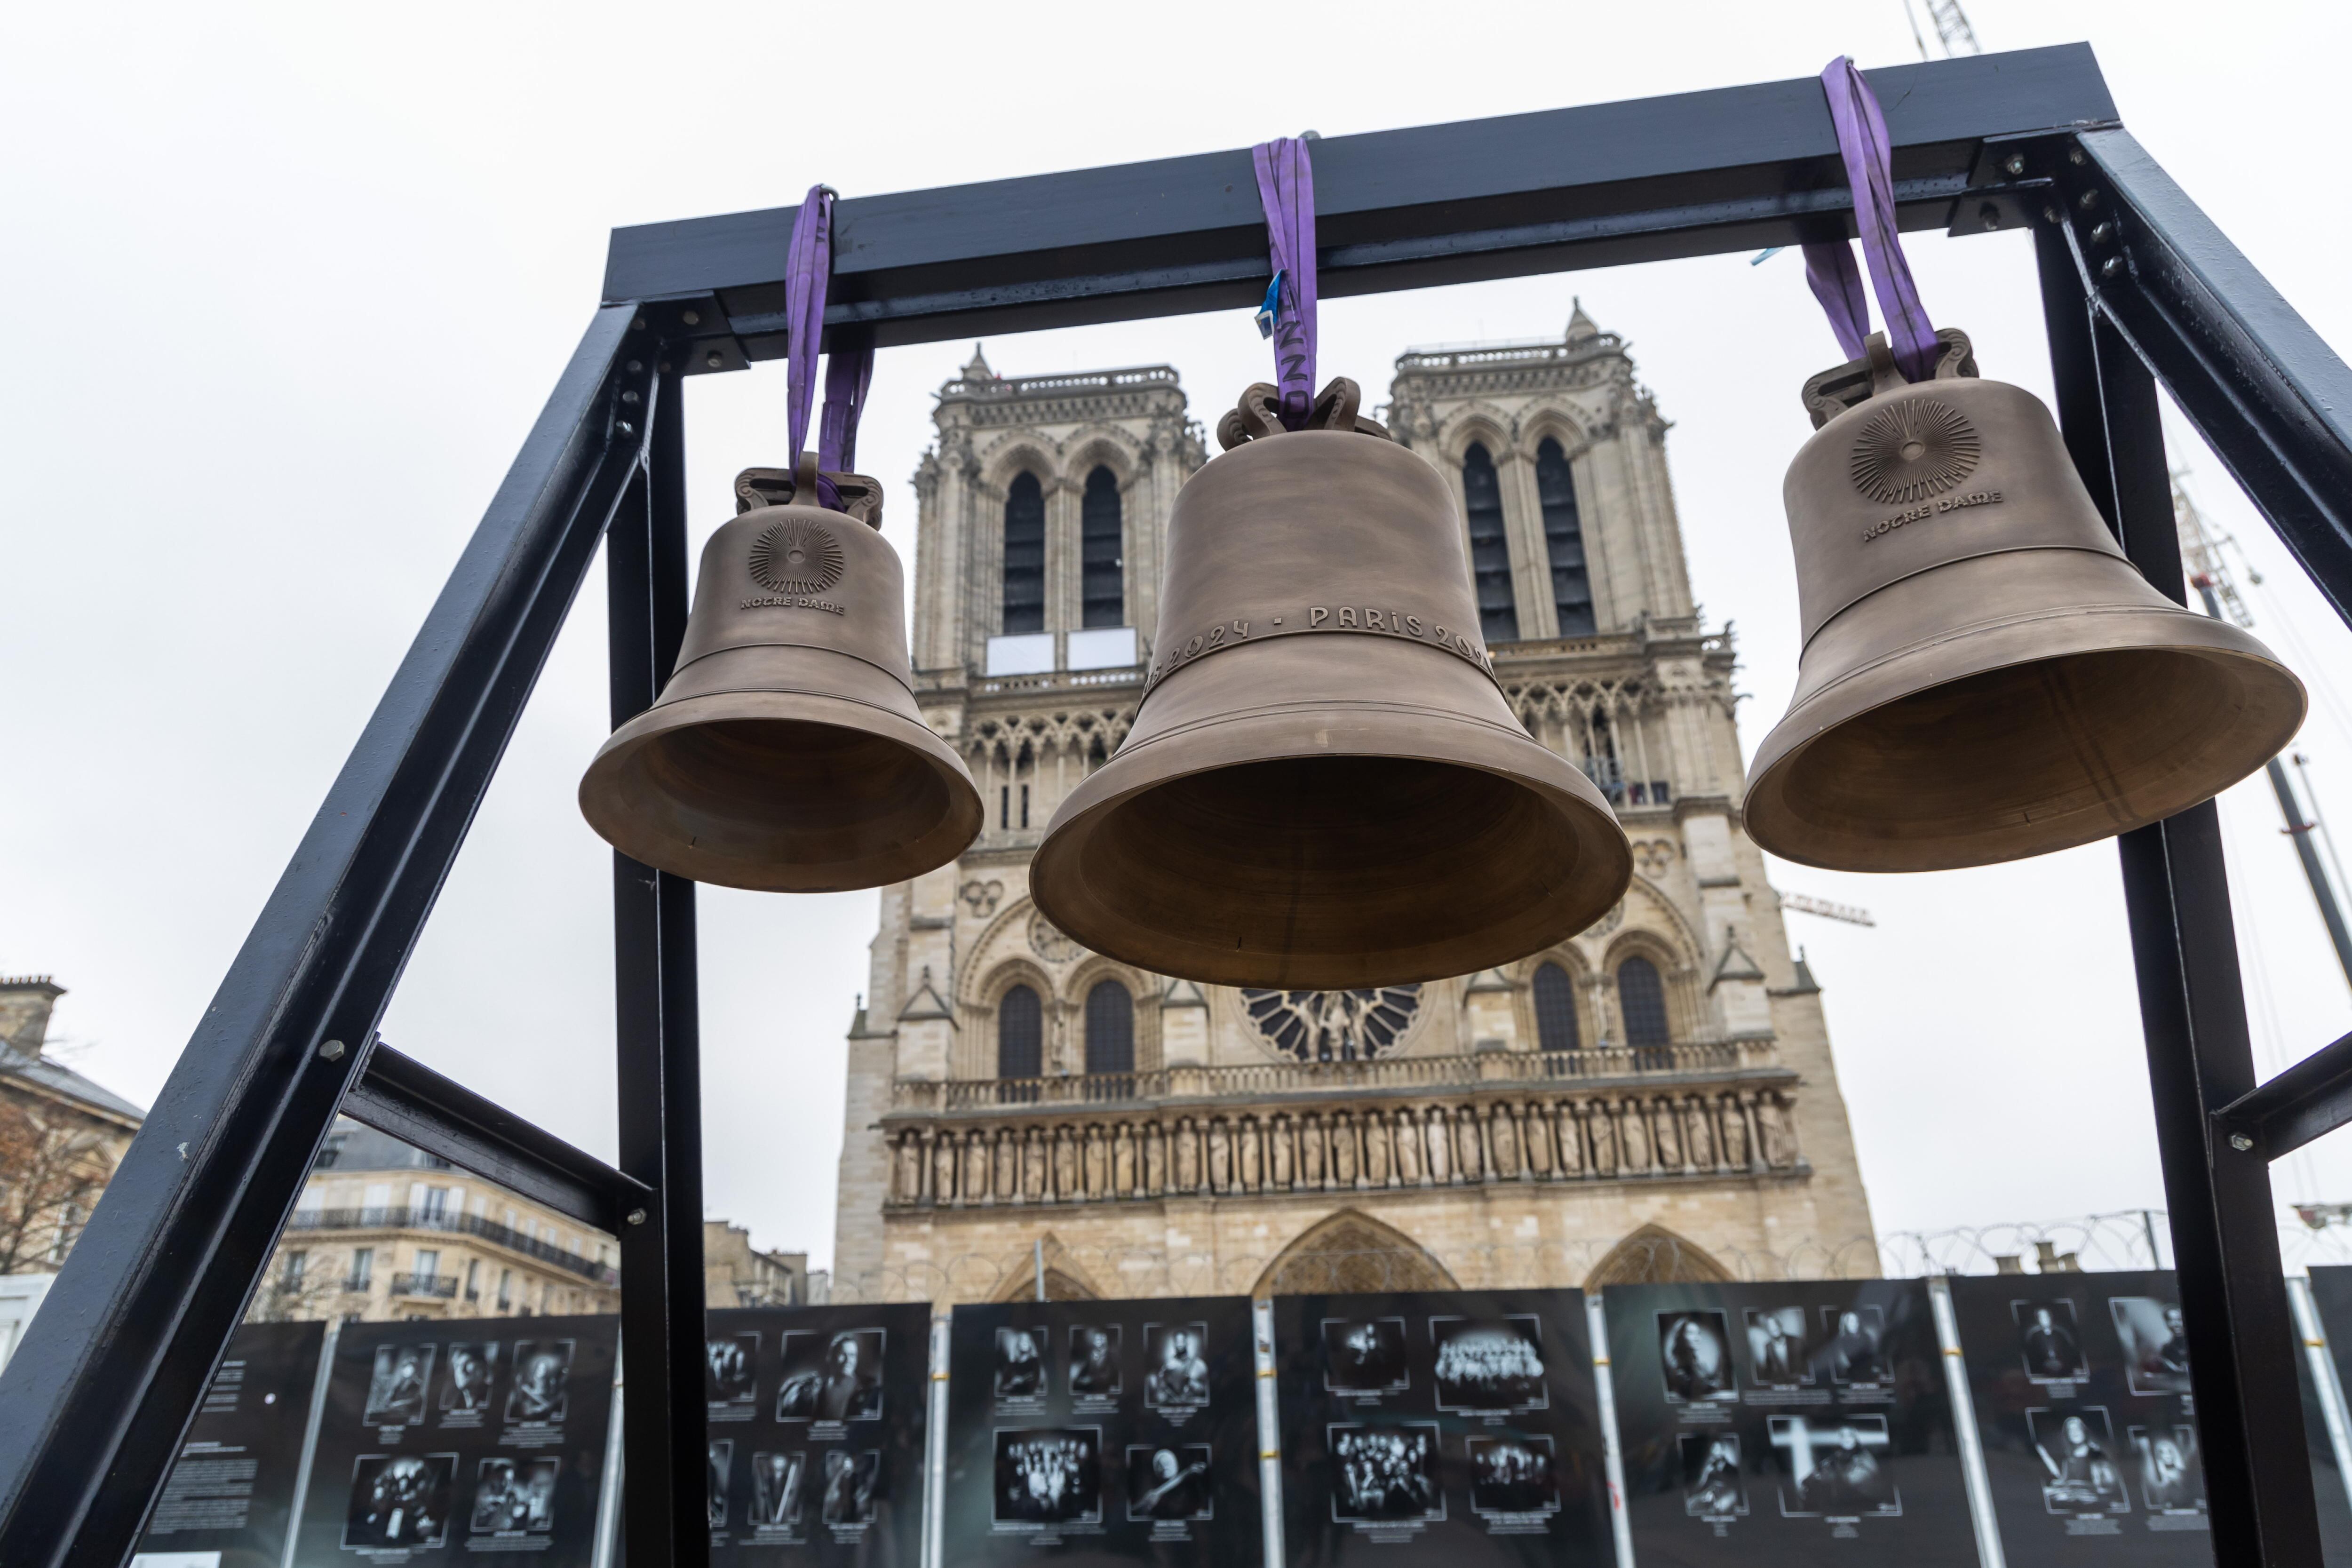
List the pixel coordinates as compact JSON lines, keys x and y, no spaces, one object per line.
{"x":1324,"y":786}
{"x":786,"y":752}
{"x":1984,"y":675}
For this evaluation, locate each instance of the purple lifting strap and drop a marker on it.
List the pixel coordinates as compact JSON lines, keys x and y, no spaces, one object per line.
{"x":1285,"y":188}
{"x":808,"y":267}
{"x":1869,"y":169}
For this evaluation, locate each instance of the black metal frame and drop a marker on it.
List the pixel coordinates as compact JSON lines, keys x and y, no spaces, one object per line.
{"x":2136,"y":284}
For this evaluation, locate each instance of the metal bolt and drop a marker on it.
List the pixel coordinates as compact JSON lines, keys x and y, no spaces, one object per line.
{"x":2104,"y":232}
{"x":629,"y":396}
{"x":2016,"y":165}
{"x":1990,"y":215}
{"x":626,"y":428}
{"x":714,"y":359}
{"x":691,"y":317}
{"x":2087,"y":200}
{"x":636,"y":366}
{"x":636,"y":1217}
{"x":2051,"y":215}
{"x":332,"y":1050}
{"x":2111,"y":266}
{"x":2075,"y":156}
{"x":638,"y":325}
{"x":2241,"y":1142}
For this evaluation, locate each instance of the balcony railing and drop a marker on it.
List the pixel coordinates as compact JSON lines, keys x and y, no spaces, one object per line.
{"x":1252,"y":1081}
{"x":456,"y":1224}
{"x":442,"y":1285}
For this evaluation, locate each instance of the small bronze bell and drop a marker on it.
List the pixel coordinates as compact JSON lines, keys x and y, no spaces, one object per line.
{"x":786,"y":752}
{"x":1324,"y":786}
{"x":1984,"y":676}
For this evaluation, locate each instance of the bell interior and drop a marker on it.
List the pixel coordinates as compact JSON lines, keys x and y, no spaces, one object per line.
{"x":1331,"y":857}
{"x":2049,"y":753}
{"x":785,"y":792}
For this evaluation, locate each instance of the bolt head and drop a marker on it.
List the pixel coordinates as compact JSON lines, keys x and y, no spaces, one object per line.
{"x":714,"y":359}
{"x":1991,"y":217}
{"x":2051,"y":215}
{"x":691,"y":317}
{"x":626,"y":428}
{"x":2016,"y":165}
{"x":2241,"y":1142}
{"x":2111,"y":266}
{"x":332,"y":1050}
{"x":638,"y":325}
{"x":2104,"y":232}
{"x":2087,"y":200}
{"x":2075,"y":156}
{"x":636,"y":1217}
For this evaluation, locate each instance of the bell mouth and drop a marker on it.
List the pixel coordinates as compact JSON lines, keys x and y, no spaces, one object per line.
{"x":780,"y":791}
{"x":2023,"y":759}
{"x":1333,"y":872}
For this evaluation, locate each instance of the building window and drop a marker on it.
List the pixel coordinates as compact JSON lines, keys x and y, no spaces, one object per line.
{"x":506,"y":1289}
{"x":1642,"y":997}
{"x":1020,"y":1034}
{"x":1555,"y":1009}
{"x":1110,"y":1028}
{"x":1101,"y":555}
{"x":1490,"y":554}
{"x":428,"y":1266}
{"x":363,"y":1268}
{"x":297,"y":1265}
{"x":1571,"y":592}
{"x":436,"y":1206}
{"x":473,"y":1279}
{"x":1025,"y":556}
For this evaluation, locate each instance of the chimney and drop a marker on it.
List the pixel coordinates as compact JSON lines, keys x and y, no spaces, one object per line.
{"x":25,"y":1004}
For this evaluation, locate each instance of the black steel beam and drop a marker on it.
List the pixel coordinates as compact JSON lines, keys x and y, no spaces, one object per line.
{"x":2193,"y":1003}
{"x":2310,"y":1099}
{"x":665,"y":1429}
{"x":2272,"y":400}
{"x":1648,"y":180}
{"x":400,"y":1095}
{"x":99,"y":1394}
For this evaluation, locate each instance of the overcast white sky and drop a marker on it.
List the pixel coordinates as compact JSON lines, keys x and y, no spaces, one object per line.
{"x":288,"y":284}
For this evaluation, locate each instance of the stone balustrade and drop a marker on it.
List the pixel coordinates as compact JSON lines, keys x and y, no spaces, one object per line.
{"x":1112,"y":1151}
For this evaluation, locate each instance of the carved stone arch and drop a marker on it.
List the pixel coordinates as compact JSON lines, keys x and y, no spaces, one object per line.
{"x":1653,"y":1255}
{"x":1143,"y":989}
{"x":977,"y":1043}
{"x":1104,"y":446}
{"x":1476,"y":421}
{"x":1679,"y":958}
{"x":1349,"y":1252}
{"x":1581,"y":976}
{"x":1559,"y":421}
{"x":1066,"y":1280}
{"x":1010,"y":457}
{"x":1667,"y":925}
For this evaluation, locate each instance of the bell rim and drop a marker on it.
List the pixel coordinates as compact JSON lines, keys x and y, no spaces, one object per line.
{"x":958,"y":826}
{"x":1576,"y":805}
{"x":2095,"y":629}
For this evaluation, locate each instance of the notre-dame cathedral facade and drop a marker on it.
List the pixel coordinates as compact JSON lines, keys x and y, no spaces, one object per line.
{"x":1653,"y":1099}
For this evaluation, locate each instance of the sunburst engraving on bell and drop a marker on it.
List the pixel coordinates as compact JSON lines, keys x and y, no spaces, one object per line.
{"x":1913,"y":450}
{"x":796,"y":556}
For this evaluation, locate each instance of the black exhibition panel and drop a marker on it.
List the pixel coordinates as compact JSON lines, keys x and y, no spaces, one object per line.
{"x":2331,"y":1292}
{"x":231,"y":1490}
{"x":1786,"y":1423}
{"x":2327,"y":1475}
{"x":1103,"y":1432}
{"x":1455,"y":1427}
{"x":817,"y":1417}
{"x":2091,"y":1446}
{"x":456,"y":1439}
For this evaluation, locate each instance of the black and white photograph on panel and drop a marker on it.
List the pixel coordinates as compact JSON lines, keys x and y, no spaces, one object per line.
{"x":1486,"y":1366}
{"x":1141,"y":1445}
{"x":228,"y":1498}
{"x":1832,"y":1466}
{"x":1020,"y":1370}
{"x":1364,"y":1355}
{"x":2331,"y":1296}
{"x":721,"y":1455}
{"x":2077,"y":1410}
{"x":1387,"y":1474}
{"x":1048,"y":1475}
{"x":400,"y":1502}
{"x":832,"y":1377}
{"x":509,"y":1457}
{"x":1455,"y":1428}
{"x":2155,"y":1344}
{"x":1713,"y":1486}
{"x":396,"y":1386}
{"x":1170,"y":1482}
{"x":515,"y":1497}
{"x":467,"y":1379}
{"x":1095,"y":1364}
{"x":731,"y":1374}
{"x":1838,"y":1440}
{"x":826,"y":1466}
{"x":1179,"y":1370}
{"x":1779,"y":1353}
{"x":778,"y":1481}
{"x":542,"y":1380}
{"x":1847,"y":1351}
{"x":1694,"y":1356}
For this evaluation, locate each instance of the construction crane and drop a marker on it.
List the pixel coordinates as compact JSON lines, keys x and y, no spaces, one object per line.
{"x":1826,"y":910}
{"x":1950,"y":24}
{"x":2200,"y":555}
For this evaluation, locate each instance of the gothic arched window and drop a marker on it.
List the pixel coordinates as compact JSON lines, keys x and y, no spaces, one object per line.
{"x":1641,"y":998}
{"x":1024,"y":555}
{"x":1571,"y":593}
{"x":1490,"y":554}
{"x":1555,"y":1009}
{"x":1101,"y":555}
{"x":1110,"y":1028}
{"x":1020,"y":1034}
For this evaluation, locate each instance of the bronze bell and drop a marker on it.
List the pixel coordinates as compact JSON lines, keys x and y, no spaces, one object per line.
{"x":786,"y":752}
{"x":1324,"y":786}
{"x":1984,"y":675}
